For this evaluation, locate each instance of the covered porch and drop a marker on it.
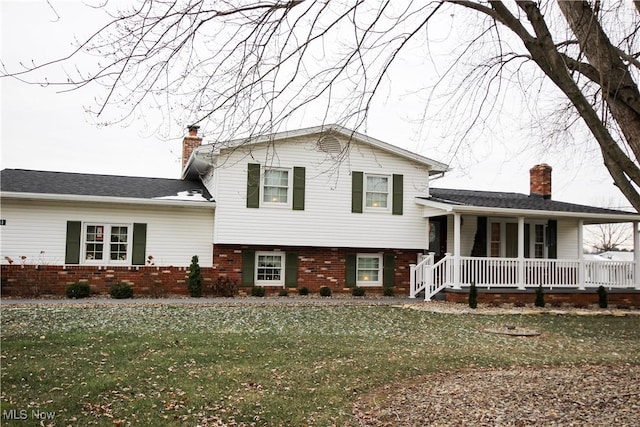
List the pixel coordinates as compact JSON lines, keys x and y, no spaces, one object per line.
{"x":516,"y":242}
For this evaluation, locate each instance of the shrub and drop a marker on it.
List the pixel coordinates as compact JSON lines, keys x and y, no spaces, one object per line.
{"x":603,"y":299}
{"x":78,"y":290}
{"x":388,"y":291}
{"x":473,"y":296}
{"x":539,"y":297}
{"x":121,"y":291}
{"x":283,"y":293}
{"x":358,"y":291}
{"x":325,"y":291}
{"x":195,"y":278}
{"x":257,"y":291}
{"x":303,"y":291}
{"x":224,"y":287}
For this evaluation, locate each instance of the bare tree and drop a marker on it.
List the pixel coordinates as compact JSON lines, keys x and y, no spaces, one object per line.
{"x":244,"y":67}
{"x":608,"y":237}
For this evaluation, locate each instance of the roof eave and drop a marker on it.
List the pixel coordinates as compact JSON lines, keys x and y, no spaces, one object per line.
{"x":107,"y":199}
{"x":492,"y":211}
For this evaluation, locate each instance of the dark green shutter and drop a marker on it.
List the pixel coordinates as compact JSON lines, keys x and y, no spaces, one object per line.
{"x":527,"y":241}
{"x":552,"y":239}
{"x":253,"y":185}
{"x":138,"y":256}
{"x":72,"y":249}
{"x":356,"y":192}
{"x":298,"y":188}
{"x":248,"y":268}
{"x":350,"y":270}
{"x":291,"y":270}
{"x":398,"y":186}
{"x":480,"y":242}
{"x":389,"y":269}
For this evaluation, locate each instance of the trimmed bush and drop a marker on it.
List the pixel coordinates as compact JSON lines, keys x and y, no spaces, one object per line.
{"x":539,"y":297}
{"x":283,"y":293}
{"x":325,"y":291}
{"x":303,"y":291}
{"x":388,"y":291}
{"x":121,"y":291}
{"x":257,"y":291}
{"x":195,"y":278}
{"x":224,"y":287}
{"x":473,"y":296}
{"x":78,"y":290}
{"x":603,"y":298}
{"x":358,"y":291}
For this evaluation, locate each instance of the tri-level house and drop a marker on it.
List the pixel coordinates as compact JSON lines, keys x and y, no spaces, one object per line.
{"x":322,"y":206}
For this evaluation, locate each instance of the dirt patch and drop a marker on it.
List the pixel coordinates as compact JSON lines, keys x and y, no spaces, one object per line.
{"x":523,"y":396}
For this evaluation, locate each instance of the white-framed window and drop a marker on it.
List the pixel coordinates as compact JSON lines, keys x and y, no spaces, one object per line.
{"x":376,"y":192}
{"x":276,"y":187}
{"x":106,"y":243}
{"x":369,"y":270}
{"x":503,"y":239}
{"x":270,"y":268}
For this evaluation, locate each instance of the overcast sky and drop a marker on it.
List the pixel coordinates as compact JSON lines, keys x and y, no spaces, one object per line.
{"x":46,"y":130}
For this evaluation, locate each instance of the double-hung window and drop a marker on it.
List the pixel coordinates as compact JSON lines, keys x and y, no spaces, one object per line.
{"x":270,"y":268}
{"x":275,"y":186}
{"x":377,"y":192}
{"x":107,"y":243}
{"x":369,"y":270}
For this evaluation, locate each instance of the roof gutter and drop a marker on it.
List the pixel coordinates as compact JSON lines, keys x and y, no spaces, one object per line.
{"x":107,"y":199}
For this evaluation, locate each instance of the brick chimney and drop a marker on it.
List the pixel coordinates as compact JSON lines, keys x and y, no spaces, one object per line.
{"x":190,"y":143}
{"x":540,"y":181}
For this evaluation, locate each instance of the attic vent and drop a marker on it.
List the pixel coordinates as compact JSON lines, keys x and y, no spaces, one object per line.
{"x":329,"y":144}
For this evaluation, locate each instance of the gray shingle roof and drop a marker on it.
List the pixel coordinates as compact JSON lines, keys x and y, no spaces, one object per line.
{"x":494,"y":199}
{"x":44,"y":182}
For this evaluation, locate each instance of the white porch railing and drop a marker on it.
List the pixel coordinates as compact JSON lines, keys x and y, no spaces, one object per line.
{"x":514,"y":273}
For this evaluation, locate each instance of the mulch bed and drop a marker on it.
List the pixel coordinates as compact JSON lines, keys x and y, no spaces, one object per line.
{"x":522,"y":396}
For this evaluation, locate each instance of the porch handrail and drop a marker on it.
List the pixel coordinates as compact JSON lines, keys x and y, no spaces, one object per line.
{"x":417,"y":280}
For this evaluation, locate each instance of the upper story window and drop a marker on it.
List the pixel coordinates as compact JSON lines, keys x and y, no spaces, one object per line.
{"x":275,"y":186}
{"x":377,"y":192}
{"x":106,"y":243}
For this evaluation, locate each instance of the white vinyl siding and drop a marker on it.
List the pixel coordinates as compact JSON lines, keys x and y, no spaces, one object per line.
{"x":327,"y":219}
{"x":174,"y":235}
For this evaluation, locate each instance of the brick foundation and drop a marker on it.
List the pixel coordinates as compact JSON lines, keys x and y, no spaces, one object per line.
{"x":317,"y":267}
{"x":33,"y":281}
{"x":620,"y":298}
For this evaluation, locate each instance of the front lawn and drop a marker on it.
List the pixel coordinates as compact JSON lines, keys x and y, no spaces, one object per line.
{"x":261,"y":365}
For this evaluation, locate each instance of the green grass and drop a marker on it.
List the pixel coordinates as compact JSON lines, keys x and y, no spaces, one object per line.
{"x":267,"y":365}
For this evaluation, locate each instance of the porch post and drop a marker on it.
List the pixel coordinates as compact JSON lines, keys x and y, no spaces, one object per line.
{"x":521,"y":253}
{"x":581,"y":266}
{"x":636,"y":256}
{"x":456,"y":250}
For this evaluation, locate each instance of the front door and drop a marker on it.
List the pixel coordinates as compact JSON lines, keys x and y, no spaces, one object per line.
{"x":438,"y":236}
